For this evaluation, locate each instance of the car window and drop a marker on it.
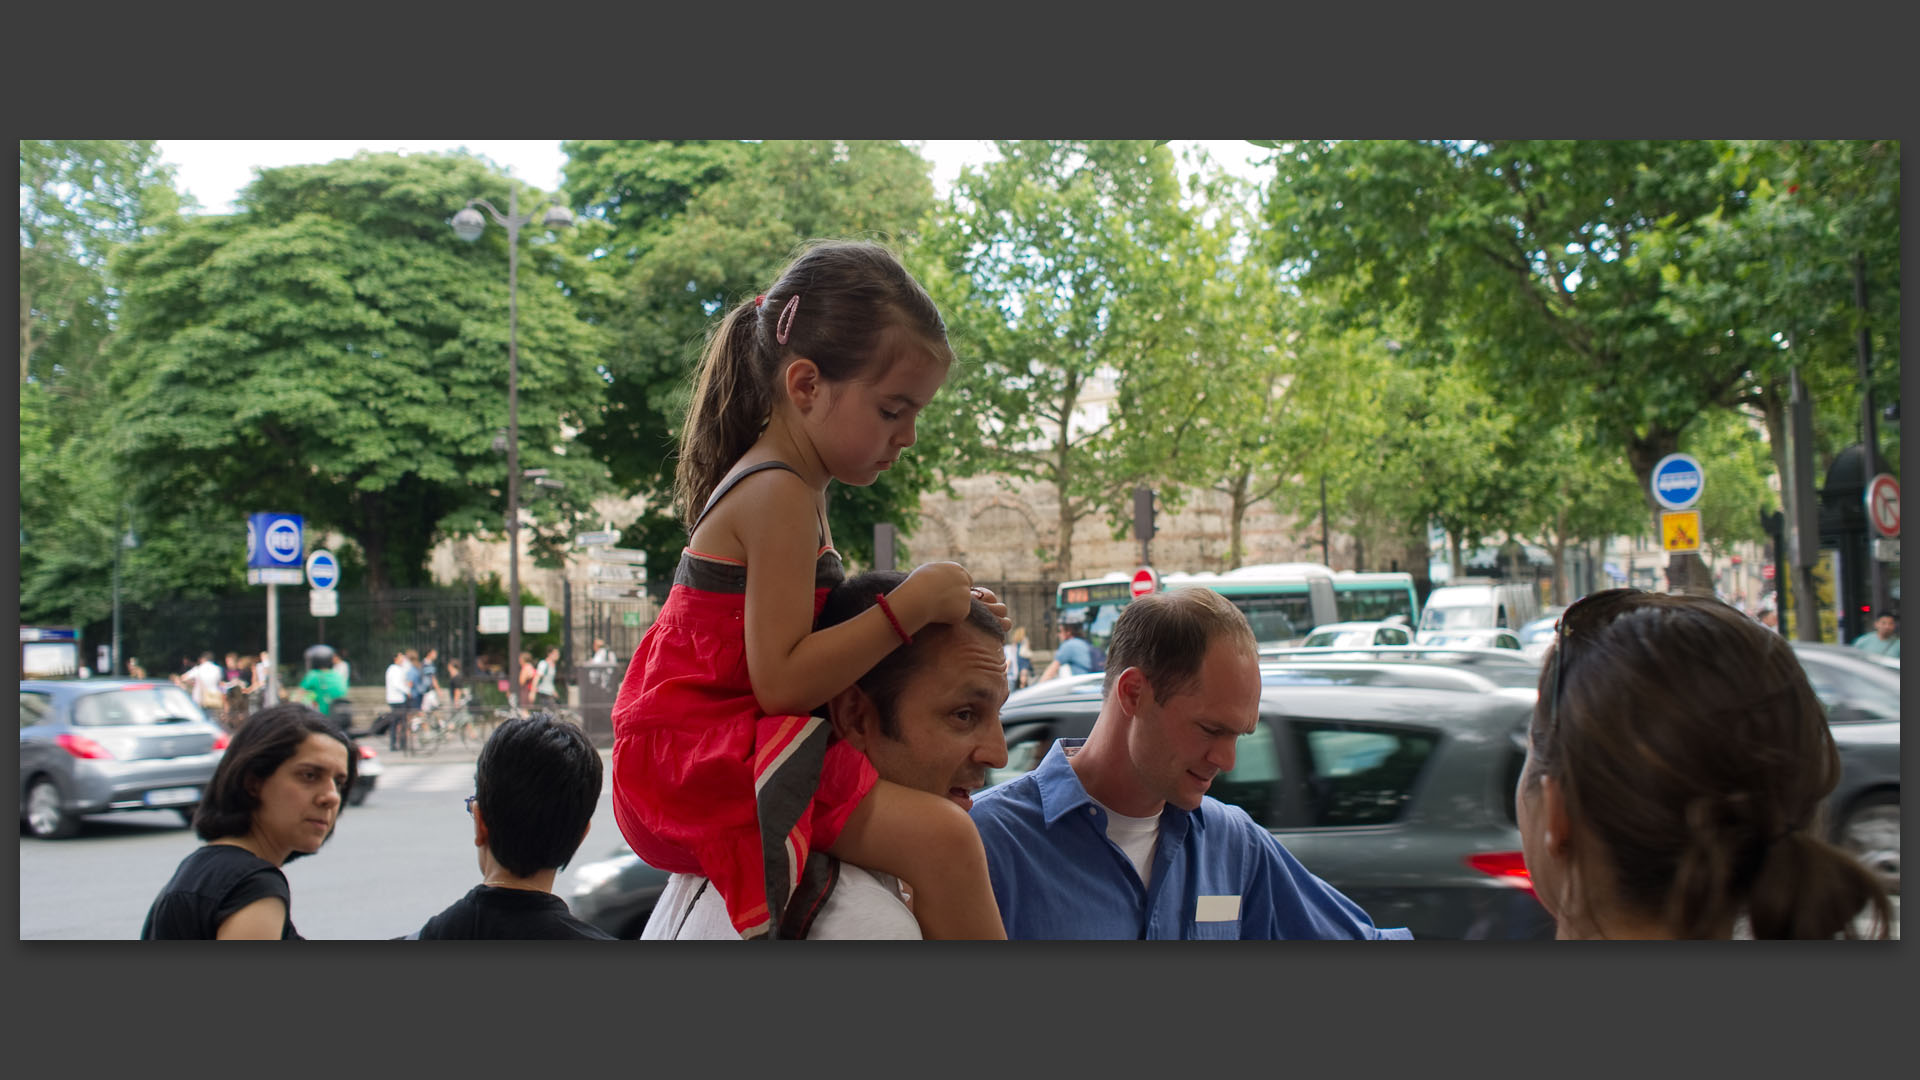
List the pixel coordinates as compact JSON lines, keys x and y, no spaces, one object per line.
{"x":1391,"y":636}
{"x":1835,"y":686}
{"x":1277,"y":619}
{"x":1507,"y":641}
{"x":1359,"y":775}
{"x":1027,"y":744}
{"x":1253,"y":782}
{"x":34,"y":708}
{"x":135,"y":705}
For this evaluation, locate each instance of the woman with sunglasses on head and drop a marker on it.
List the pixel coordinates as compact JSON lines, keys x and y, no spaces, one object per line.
{"x":1676,"y":769}
{"x":274,"y":797}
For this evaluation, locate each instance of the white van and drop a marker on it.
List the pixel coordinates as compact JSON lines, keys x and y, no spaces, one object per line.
{"x":1478,"y":606}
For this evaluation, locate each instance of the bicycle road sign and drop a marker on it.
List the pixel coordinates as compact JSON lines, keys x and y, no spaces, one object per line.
{"x":1680,"y":530}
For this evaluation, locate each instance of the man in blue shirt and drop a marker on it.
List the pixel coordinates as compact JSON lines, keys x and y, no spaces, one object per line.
{"x":1114,"y":836}
{"x":1882,"y":641}
{"x":1073,"y":657}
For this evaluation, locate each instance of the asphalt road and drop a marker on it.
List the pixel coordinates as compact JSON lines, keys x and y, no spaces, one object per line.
{"x":392,"y":863}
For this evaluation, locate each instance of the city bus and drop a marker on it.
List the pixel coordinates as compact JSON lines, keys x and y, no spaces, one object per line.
{"x":1375,"y":597}
{"x":1282,"y":601}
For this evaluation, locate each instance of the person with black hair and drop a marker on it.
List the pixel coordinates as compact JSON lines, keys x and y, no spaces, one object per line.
{"x":535,"y":788}
{"x":274,"y":797}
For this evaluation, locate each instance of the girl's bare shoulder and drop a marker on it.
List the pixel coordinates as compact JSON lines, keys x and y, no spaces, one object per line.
{"x":768,"y":506}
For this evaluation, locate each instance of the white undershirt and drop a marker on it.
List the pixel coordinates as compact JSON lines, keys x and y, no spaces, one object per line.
{"x":1135,"y":836}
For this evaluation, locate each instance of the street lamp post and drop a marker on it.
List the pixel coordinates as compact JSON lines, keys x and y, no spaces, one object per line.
{"x":123,"y":538}
{"x":468,"y":225}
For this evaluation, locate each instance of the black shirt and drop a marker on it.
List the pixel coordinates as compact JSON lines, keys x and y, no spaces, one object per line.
{"x":494,"y":913}
{"x":210,"y":885}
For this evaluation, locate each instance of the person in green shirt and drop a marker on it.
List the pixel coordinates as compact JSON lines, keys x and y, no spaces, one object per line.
{"x":325,"y":685}
{"x":1884,"y":639}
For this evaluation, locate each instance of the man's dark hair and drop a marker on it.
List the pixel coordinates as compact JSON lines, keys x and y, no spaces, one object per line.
{"x":885,"y":679}
{"x":537,"y":781}
{"x":263,"y":744}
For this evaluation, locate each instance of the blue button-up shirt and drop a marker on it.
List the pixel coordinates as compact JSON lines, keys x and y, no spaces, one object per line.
{"x":1216,"y":872}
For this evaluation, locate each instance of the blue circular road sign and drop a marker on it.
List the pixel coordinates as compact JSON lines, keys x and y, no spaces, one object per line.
{"x":323,"y":570}
{"x":1678,"y":481}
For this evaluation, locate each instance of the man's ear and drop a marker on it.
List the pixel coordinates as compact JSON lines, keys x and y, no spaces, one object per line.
{"x":479,"y":828}
{"x":803,"y":383}
{"x":1130,"y":689}
{"x":853,"y":716}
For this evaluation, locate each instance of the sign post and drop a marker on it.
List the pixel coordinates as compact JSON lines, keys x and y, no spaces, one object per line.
{"x":275,"y":545}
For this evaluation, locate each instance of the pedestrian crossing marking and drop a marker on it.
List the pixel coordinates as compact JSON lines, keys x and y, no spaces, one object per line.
{"x":425,"y":778}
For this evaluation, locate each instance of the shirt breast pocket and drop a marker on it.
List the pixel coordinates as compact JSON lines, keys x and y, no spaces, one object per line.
{"x":1216,"y":918}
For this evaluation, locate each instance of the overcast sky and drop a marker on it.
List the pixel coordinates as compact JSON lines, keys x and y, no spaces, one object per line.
{"x":214,"y":170}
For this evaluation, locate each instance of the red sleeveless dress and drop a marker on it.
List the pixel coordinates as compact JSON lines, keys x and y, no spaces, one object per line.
{"x":703,"y":781}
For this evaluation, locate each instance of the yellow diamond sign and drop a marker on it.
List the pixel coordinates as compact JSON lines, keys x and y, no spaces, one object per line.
{"x":1680,"y":530}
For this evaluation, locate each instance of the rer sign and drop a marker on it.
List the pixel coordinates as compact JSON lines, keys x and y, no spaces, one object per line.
{"x":1678,"y":481}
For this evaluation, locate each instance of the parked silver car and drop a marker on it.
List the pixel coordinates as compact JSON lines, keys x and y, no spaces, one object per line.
{"x":1862,"y":695}
{"x":91,"y":746}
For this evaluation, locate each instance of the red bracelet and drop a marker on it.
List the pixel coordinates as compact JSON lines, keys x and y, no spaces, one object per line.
{"x":881,"y":599}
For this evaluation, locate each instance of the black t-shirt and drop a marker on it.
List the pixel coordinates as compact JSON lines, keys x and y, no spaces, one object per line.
{"x":493,"y":913}
{"x":211,"y":884}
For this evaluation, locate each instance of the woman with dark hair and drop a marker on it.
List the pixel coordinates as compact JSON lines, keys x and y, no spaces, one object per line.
{"x":1677,"y":765}
{"x":274,"y":797}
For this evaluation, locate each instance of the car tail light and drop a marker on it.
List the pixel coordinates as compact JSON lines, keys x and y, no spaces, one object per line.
{"x":221,"y":740}
{"x":366,"y":752}
{"x":81,"y":747}
{"x":1507,"y":867}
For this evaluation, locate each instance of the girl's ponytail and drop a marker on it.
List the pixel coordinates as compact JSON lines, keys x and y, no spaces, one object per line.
{"x":728,"y":408}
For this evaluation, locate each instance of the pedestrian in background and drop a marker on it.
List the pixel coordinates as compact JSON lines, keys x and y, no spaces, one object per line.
{"x":399,"y":686}
{"x":206,"y":682}
{"x":545,"y":692}
{"x":1019,"y":660}
{"x":274,"y":797}
{"x":340,"y":664}
{"x":134,"y":670}
{"x":601,"y":654}
{"x":529,"y":676}
{"x":430,"y":681}
{"x":1677,"y":766}
{"x":1885,"y":639}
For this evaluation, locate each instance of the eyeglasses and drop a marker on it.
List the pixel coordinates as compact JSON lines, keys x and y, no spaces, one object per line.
{"x":1585,"y":615}
{"x":470,"y":799}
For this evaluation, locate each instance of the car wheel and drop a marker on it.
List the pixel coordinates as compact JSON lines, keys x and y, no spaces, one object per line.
{"x":186,"y":813}
{"x":359,"y":794}
{"x":1871,"y":832}
{"x":47,"y":816}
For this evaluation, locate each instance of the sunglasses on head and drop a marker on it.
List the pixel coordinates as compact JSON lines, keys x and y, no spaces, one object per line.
{"x":1586,"y":615}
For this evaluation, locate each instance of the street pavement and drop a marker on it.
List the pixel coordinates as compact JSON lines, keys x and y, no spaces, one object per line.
{"x":392,"y":862}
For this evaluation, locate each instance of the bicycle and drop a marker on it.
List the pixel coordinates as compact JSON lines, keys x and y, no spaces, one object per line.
{"x":431,"y":730}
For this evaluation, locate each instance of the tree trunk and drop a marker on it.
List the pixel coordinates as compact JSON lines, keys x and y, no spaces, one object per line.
{"x":1237,"y":513}
{"x":1459,"y":564}
{"x":1062,"y":472}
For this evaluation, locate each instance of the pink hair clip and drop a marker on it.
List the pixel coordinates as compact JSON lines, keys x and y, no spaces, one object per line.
{"x":785,"y":325}
{"x":758,"y":300}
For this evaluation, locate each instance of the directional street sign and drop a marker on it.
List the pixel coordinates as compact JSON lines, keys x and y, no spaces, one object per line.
{"x":323,"y":570}
{"x":281,"y":575}
{"x":616,"y":572}
{"x":597,"y":539}
{"x":619,"y":555}
{"x":613,"y":592}
{"x":1680,"y":530}
{"x":1883,"y":505}
{"x":1677,"y":482}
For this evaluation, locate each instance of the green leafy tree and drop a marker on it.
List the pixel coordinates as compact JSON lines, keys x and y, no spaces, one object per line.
{"x":1061,"y":267}
{"x":1532,"y":251}
{"x":80,"y":202}
{"x":333,"y":348}
{"x":679,"y":231}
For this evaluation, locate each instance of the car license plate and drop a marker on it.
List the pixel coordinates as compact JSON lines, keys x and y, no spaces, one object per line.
{"x":172,"y":796}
